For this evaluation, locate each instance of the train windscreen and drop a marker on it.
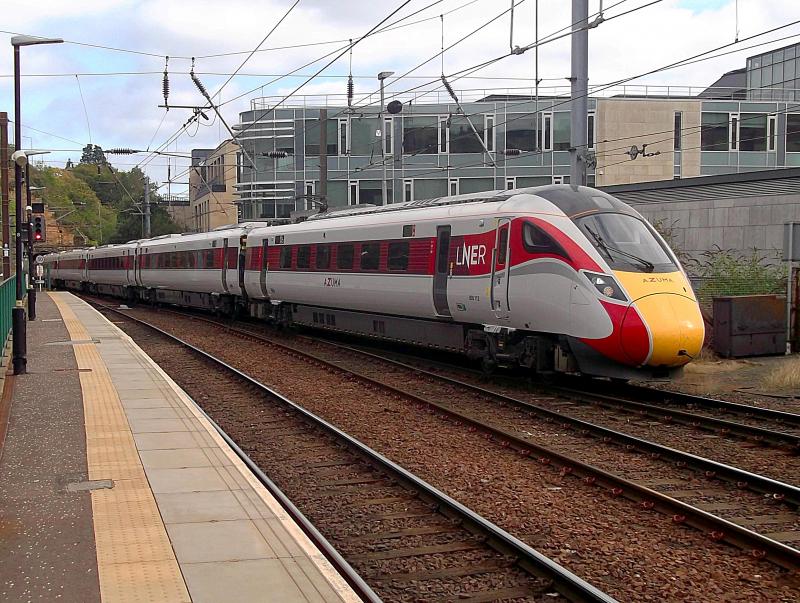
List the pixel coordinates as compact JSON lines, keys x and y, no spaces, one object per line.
{"x":626,"y":242}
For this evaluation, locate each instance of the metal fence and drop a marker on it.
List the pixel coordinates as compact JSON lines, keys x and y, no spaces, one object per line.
{"x":8,"y":298}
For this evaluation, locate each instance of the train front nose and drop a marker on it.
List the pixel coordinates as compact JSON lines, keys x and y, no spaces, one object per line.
{"x":675,"y":326}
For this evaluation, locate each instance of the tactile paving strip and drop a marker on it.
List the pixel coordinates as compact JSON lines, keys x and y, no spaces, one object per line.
{"x":135,"y":559}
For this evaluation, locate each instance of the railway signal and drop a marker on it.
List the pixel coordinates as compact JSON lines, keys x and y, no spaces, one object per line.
{"x":39,"y":230}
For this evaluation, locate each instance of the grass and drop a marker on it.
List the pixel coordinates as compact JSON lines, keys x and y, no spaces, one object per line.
{"x":784,"y":376}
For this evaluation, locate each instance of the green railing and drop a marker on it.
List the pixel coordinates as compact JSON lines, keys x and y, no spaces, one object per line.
{"x":8,"y":298}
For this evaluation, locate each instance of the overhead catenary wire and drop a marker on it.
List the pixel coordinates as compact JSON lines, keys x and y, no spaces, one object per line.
{"x":547,"y":39}
{"x":85,"y":112}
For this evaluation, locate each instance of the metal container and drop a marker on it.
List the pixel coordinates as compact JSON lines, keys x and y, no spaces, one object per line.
{"x":749,"y":325}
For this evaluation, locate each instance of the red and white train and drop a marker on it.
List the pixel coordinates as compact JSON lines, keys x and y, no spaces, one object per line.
{"x":552,"y":278}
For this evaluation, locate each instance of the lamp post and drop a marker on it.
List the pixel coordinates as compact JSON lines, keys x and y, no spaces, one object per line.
{"x":381,"y":77}
{"x":19,"y":354}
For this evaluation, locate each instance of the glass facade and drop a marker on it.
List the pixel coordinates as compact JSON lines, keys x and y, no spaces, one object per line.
{"x":428,"y":151}
{"x":774,"y":75}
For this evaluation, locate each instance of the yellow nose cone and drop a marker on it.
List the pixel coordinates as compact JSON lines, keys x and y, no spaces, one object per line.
{"x":676,"y":327}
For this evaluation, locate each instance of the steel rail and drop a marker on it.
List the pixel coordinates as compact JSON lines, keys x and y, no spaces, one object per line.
{"x":532,"y":561}
{"x":670,"y":397}
{"x":717,"y":528}
{"x":749,"y":432}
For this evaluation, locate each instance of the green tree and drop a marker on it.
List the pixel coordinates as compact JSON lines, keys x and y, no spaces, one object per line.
{"x":93,"y":154}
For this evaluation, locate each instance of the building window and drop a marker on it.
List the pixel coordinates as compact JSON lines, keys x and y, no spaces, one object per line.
{"x":352,"y":192}
{"x":387,"y":136}
{"x":420,"y":135}
{"x":547,"y":132}
{"x":462,"y":138}
{"x":753,"y":132}
{"x":370,"y":256}
{"x":714,"y":132}
{"x":453,"y":185}
{"x":488,"y":132}
{"x":521,"y":132}
{"x":772,"y":133}
{"x":560,"y":179}
{"x":678,"y":129}
{"x":793,"y":133}
{"x":733,"y":135}
{"x":408,"y":190}
{"x":590,"y":131}
{"x":309,"y":191}
{"x":511,"y":183}
{"x":343,"y":136}
{"x":561,"y":132}
{"x":444,"y":135}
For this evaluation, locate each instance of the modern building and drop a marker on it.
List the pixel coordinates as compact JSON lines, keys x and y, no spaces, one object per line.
{"x":430,"y":148}
{"x":212,"y":185}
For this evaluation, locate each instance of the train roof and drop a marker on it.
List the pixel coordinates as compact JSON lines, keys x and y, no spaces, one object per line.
{"x":571,"y":201}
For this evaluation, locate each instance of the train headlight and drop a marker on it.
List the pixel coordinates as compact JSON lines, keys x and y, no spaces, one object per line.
{"x":606,"y":285}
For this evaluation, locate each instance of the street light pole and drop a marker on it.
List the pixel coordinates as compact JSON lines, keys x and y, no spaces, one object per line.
{"x":19,"y":334}
{"x":381,"y":77}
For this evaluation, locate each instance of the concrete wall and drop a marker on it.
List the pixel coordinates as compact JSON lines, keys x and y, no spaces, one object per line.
{"x":741,"y":224}
{"x":208,"y":210}
{"x":627,"y":122}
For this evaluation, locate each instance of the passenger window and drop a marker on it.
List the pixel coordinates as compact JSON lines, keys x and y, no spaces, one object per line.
{"x":344,"y":257}
{"x":323,"y":261}
{"x":398,"y":256}
{"x":502,"y":245}
{"x":286,"y":257}
{"x":370,"y":256}
{"x":304,"y":256}
{"x":536,"y":240}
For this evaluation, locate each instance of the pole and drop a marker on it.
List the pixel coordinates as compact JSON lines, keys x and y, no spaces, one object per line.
{"x":146,"y":207}
{"x":29,"y":225}
{"x":19,"y":334}
{"x":790,"y":251}
{"x":323,"y":156}
{"x":4,"y":194}
{"x":579,"y":86}
{"x":383,"y":148}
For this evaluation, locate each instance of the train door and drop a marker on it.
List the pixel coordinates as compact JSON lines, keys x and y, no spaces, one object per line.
{"x":264,"y":268}
{"x":242,"y":252}
{"x":225,"y":265}
{"x":441,"y":271}
{"x":501,"y":269}
{"x":128,"y":263}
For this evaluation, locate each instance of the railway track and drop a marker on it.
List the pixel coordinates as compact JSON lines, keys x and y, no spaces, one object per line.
{"x":406,"y":540}
{"x":748,"y":510}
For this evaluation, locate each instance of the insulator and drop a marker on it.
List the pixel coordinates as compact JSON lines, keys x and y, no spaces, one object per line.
{"x":199,"y":85}
{"x":277,"y":154}
{"x":165,"y":85}
{"x":449,"y":88}
{"x":124,"y":151}
{"x":512,"y":152}
{"x":350,"y":90}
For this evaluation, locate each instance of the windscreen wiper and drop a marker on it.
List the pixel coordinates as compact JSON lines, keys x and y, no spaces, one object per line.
{"x":649,"y":266}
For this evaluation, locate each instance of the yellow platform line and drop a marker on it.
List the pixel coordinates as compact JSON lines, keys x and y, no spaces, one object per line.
{"x":135,"y":559}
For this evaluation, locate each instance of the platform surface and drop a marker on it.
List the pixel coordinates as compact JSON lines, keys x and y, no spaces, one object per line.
{"x":114,"y":487}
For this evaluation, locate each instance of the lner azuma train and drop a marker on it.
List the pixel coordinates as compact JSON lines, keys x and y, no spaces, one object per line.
{"x":554,"y":278}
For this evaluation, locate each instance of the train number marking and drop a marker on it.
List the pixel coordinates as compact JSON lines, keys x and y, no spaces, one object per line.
{"x":470,"y":255}
{"x":332,"y":281}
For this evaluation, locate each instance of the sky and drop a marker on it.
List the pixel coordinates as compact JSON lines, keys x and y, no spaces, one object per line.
{"x":123,"y":110}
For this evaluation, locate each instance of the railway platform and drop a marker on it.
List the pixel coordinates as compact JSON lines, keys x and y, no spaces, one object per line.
{"x":115,"y":487}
